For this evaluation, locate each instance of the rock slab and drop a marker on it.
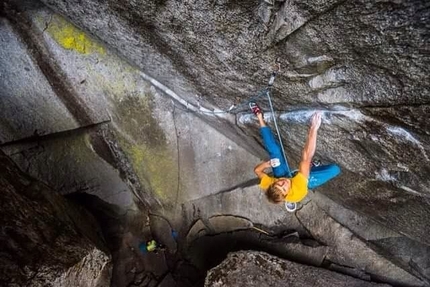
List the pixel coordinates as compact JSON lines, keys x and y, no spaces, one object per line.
{"x":46,"y":240}
{"x":260,"y":269}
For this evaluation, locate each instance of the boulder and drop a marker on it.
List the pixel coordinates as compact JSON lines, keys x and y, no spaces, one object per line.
{"x":251,"y":268}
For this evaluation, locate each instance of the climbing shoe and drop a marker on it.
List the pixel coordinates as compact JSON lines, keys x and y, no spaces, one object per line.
{"x":316,"y":162}
{"x":290,"y":206}
{"x":255,"y":108}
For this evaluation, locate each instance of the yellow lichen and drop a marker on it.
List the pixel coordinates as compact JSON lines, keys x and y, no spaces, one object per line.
{"x":72,"y":38}
{"x":164,"y":174}
{"x":155,"y":168}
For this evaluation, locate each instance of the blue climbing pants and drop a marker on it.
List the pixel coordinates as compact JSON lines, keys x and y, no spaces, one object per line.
{"x":321,"y":174}
{"x":318,"y":175}
{"x":275,"y":152}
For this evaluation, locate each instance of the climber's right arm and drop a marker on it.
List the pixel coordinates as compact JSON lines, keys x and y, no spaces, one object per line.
{"x":310,"y":146}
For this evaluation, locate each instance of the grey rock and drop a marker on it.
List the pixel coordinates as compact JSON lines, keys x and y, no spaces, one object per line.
{"x":294,"y":14}
{"x":298,"y":252}
{"x":247,"y":268}
{"x":197,"y":229}
{"x":360,"y":225}
{"x":349,"y":250}
{"x":147,"y":130}
{"x":365,"y":64}
{"x":248,"y":203}
{"x":383,"y":240}
{"x":93,"y":270}
{"x":162,"y":231}
{"x":412,"y":255}
{"x":354,"y":272}
{"x":155,"y":262}
{"x":47,"y":240}
{"x":167,"y":281}
{"x":334,"y":73}
{"x":208,"y":251}
{"x":355,"y":58}
{"x":225,"y":223}
{"x":29,"y":105}
{"x":72,"y":153}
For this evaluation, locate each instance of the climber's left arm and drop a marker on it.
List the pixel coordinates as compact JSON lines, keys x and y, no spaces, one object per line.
{"x":260,"y":168}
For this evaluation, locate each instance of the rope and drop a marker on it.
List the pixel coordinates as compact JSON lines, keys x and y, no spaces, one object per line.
{"x":265,"y":91}
{"x":239,"y":106}
{"x":260,"y":230}
{"x":260,"y":94}
{"x":272,"y":79}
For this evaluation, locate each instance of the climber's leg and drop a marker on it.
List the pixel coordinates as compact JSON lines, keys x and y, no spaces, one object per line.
{"x":279,"y":166}
{"x":321,"y":174}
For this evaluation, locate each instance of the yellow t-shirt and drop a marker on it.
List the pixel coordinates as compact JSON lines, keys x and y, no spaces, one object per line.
{"x":298,"y":190}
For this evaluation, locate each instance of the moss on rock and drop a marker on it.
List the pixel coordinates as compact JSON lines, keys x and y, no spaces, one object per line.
{"x":144,"y":142}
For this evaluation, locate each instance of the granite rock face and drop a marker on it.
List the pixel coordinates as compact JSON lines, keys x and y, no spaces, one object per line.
{"x":46,"y":240}
{"x":247,"y":268}
{"x":364,"y":63}
{"x":129,"y":104}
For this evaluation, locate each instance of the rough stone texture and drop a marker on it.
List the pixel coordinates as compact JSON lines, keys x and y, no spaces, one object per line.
{"x":219,"y":224}
{"x":349,"y":250}
{"x":411,"y":255}
{"x":364,"y":63}
{"x":248,"y":268}
{"x":72,"y":154}
{"x":45,"y":240}
{"x":166,"y":147}
{"x":197,"y":229}
{"x":162,"y":232}
{"x":168,"y":281}
{"x":247,"y":202}
{"x":342,"y":251}
{"x":26,"y":92}
{"x":93,"y":270}
{"x":407,"y":253}
{"x":208,"y":251}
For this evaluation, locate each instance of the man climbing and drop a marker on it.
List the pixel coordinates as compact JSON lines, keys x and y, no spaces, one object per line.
{"x":280,"y":188}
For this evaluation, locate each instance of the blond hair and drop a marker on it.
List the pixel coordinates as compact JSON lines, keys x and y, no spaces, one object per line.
{"x":274,"y":194}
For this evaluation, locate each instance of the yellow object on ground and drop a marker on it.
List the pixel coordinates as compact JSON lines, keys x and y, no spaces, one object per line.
{"x":151,"y":245}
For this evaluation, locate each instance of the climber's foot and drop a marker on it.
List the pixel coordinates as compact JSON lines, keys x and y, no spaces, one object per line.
{"x":316,"y":162}
{"x":255,"y":108}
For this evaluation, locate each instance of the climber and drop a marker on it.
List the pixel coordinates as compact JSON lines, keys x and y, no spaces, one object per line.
{"x":280,"y":188}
